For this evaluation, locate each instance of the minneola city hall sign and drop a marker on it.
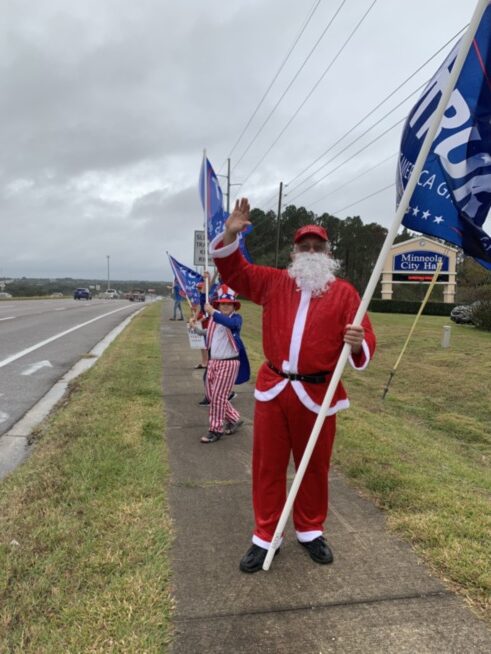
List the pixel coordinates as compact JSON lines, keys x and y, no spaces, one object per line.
{"x":415,"y":261}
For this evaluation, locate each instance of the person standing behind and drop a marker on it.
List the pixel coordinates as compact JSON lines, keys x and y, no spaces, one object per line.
{"x":227,"y":365}
{"x":176,"y":294}
{"x":307,"y":319}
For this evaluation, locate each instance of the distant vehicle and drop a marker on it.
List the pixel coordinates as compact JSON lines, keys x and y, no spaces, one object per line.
{"x":5,"y":296}
{"x":135,"y":295}
{"x":463,"y":313}
{"x":110,"y":294}
{"x":56,"y":295}
{"x":82,"y":294}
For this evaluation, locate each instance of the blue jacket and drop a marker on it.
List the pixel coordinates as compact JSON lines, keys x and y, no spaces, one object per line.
{"x":234,"y":323}
{"x":176,"y":293}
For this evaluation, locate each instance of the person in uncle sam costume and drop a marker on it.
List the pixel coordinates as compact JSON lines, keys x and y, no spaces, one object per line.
{"x":307,"y":315}
{"x":227,"y":363}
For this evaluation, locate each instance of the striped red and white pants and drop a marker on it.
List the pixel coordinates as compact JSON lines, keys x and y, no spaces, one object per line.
{"x":220,"y":379}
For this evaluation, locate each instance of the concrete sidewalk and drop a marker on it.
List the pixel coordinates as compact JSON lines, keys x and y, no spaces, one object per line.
{"x":376,"y":597}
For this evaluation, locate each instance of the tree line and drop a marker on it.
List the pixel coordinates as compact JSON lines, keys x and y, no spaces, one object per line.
{"x":355,"y":245}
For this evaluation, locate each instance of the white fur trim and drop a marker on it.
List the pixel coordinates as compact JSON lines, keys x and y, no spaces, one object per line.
{"x":271,"y":393}
{"x":308,"y":536}
{"x":265,"y":544}
{"x":309,"y":403}
{"x":303,"y":396}
{"x":224,"y":251}
{"x":366,"y":352}
{"x":297,"y":333}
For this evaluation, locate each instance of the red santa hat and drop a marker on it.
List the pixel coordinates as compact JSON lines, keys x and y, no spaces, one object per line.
{"x":310,"y":230}
{"x":226,"y":295}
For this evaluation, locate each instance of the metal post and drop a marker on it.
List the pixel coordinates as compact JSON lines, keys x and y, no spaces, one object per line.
{"x":446,"y":336}
{"x":278,"y":222}
{"x":108,"y":276}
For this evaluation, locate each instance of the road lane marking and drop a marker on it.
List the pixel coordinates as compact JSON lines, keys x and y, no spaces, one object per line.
{"x":8,"y":318}
{"x":3,"y":416}
{"x":28,"y":350}
{"x":37,"y":366}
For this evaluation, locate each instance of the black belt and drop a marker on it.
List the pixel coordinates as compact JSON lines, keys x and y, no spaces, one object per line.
{"x":314,"y":378}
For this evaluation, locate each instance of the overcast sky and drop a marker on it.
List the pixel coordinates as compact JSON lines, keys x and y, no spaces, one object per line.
{"x":106,"y":107}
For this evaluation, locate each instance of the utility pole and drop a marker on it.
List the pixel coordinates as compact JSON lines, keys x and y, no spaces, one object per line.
{"x":278,"y":223}
{"x":228,"y":185}
{"x":227,"y":206}
{"x":108,"y":276}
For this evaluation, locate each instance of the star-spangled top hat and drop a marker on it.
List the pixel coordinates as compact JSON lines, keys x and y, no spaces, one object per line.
{"x":226,"y":295}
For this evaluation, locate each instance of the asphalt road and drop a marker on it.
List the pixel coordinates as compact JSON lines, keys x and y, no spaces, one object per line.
{"x":40,"y":340}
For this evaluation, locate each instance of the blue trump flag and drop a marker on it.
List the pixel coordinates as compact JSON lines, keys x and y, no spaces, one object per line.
{"x":453,"y":194}
{"x":187,"y":279}
{"x":214,"y":213}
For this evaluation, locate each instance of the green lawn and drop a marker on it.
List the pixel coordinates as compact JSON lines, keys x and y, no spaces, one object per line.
{"x":84,"y":529}
{"x":423,"y":453}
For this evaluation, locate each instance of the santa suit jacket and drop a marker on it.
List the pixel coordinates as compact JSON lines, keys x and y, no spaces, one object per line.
{"x":301,"y":334}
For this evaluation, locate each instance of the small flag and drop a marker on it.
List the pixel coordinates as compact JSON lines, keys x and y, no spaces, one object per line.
{"x":187,"y":279}
{"x":453,"y":195}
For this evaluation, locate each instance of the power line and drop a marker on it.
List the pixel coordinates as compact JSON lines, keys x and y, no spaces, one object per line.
{"x":291,"y":83}
{"x":380,"y":190}
{"x":311,"y":91}
{"x":356,"y":178}
{"x":346,"y":147}
{"x":374,"y":109}
{"x":351,"y":157}
{"x":302,"y":30}
{"x":363,"y":119}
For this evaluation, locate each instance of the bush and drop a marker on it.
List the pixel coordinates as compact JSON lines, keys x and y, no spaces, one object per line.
{"x":481,"y":316}
{"x":404,"y":306}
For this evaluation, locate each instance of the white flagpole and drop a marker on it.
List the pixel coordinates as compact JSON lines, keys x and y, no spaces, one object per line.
{"x":205,"y":198}
{"x":362,"y":309}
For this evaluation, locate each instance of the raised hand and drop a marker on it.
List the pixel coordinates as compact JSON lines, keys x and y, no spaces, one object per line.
{"x":237,"y":221}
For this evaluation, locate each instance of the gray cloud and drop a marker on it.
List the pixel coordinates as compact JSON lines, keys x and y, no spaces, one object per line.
{"x":106,"y":108}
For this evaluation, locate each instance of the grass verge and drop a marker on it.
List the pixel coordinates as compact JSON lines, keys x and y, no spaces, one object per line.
{"x":423,"y":453}
{"x":84,"y":529}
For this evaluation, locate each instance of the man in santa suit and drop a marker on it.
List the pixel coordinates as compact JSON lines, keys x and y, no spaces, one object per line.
{"x":307,"y":316}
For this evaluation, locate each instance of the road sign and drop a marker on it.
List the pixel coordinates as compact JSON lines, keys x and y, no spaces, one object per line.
{"x":199,"y":248}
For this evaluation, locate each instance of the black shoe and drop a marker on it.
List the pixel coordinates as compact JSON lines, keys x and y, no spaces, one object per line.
{"x":253,"y":559}
{"x":319,"y":550}
{"x":232,"y":427}
{"x":232,"y":396}
{"x":204,"y":402}
{"x":211,"y":437}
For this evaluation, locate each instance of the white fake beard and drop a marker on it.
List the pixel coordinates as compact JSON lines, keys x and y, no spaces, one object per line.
{"x":313,"y":271}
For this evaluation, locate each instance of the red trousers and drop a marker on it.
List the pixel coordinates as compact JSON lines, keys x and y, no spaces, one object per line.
{"x":281,"y":426}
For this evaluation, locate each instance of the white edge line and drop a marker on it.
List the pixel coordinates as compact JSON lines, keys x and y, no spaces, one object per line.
{"x":25,"y":426}
{"x":28,"y":350}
